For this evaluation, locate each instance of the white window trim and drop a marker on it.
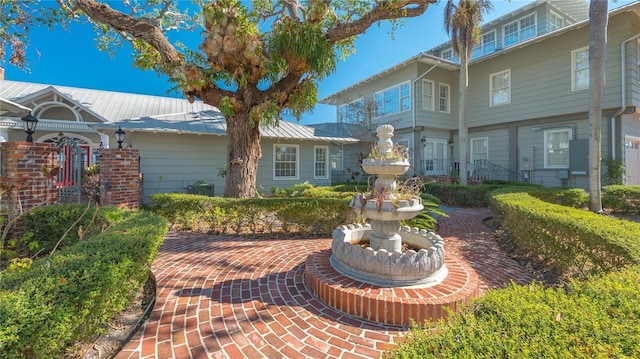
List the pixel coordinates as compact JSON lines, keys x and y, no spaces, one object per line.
{"x":400,"y":110}
{"x":448,"y":97}
{"x":558,"y":16}
{"x":279,"y":178}
{"x":573,"y":69}
{"x":482,"y":43}
{"x":535,"y":25}
{"x":472,"y":140}
{"x":433,"y":89}
{"x":491,"y":103}
{"x":546,"y":148}
{"x":453,"y":57}
{"x":326,"y":162}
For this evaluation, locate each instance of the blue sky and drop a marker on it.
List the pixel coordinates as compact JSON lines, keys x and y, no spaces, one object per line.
{"x":70,"y":58}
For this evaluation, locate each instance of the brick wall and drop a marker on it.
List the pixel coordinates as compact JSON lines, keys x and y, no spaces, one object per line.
{"x":120,"y":178}
{"x":24,"y":181}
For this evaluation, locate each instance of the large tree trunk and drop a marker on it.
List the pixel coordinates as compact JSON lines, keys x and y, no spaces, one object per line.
{"x":463,"y":131}
{"x":243,"y":153}
{"x":597,"y":54}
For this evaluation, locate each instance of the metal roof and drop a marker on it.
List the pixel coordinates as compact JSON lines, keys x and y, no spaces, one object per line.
{"x":150,"y":113}
{"x":9,"y":107}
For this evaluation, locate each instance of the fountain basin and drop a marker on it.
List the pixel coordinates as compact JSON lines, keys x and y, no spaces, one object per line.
{"x":424,"y":267}
{"x":390,"y":210}
{"x":390,"y":167}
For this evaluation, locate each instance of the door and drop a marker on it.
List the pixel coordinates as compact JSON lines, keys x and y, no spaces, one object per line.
{"x":435,"y":161}
{"x":632,"y":160}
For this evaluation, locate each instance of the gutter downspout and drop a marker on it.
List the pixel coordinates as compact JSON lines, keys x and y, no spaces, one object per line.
{"x":413,"y":114}
{"x":623,"y":93}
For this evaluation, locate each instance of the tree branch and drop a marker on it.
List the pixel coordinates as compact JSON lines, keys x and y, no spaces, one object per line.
{"x":383,"y":10}
{"x":139,"y":28}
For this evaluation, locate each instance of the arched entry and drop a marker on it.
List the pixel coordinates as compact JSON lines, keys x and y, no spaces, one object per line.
{"x":74,"y":155}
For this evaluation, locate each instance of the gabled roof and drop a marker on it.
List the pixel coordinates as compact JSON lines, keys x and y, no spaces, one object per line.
{"x":137,"y":112}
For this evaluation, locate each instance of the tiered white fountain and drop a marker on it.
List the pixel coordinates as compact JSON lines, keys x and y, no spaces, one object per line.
{"x":383,"y":262}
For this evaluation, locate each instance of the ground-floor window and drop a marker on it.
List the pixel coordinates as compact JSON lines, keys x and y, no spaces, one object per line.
{"x":285,"y":164}
{"x":556,"y":148}
{"x":321,"y":163}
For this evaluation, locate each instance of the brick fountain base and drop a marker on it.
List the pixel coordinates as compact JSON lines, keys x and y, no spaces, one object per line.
{"x":397,"y":305}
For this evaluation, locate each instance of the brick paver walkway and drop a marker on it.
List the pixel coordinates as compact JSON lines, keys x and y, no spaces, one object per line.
{"x":227,"y":297}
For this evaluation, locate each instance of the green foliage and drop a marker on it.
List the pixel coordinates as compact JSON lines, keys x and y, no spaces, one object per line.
{"x":68,"y":296}
{"x":427,"y":218}
{"x":575,"y":241}
{"x":615,"y":172}
{"x":66,"y":224}
{"x":621,"y":198}
{"x":311,"y":216}
{"x":460,"y":196}
{"x":570,"y":197}
{"x":598,"y":318}
{"x":296,"y":190}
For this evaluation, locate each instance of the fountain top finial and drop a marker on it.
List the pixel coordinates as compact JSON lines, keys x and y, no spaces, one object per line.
{"x":384,"y":131}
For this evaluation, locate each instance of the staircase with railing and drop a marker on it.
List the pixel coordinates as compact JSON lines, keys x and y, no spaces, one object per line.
{"x":477,"y":172}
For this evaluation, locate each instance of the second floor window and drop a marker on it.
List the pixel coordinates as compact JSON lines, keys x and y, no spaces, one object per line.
{"x":555,"y":21}
{"x":487,"y":45}
{"x":500,"y":90}
{"x":394,"y":99}
{"x":519,"y":30}
{"x":449,"y":54}
{"x":444,"y":90}
{"x":427,"y":95}
{"x":580,"y":69}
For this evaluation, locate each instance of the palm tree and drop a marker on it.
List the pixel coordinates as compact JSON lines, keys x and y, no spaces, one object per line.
{"x":462,"y":23}
{"x":598,"y":18}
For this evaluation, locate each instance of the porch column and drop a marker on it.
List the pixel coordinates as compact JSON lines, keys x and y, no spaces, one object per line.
{"x":120,"y":178}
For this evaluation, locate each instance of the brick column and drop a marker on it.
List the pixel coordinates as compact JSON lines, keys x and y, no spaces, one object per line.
{"x":120,"y":178}
{"x":27,"y":175}
{"x":28,"y":179}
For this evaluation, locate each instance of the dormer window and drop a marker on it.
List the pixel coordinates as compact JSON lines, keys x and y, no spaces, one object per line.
{"x":487,"y":45}
{"x":448,"y":54}
{"x":555,"y":21}
{"x":519,"y":30}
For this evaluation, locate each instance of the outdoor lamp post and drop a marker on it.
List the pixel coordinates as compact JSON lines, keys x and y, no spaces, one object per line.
{"x":119,"y":137}
{"x":30,"y":124}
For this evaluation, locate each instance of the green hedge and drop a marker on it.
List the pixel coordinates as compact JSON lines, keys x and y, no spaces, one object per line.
{"x":68,"y":296}
{"x":461,"y":196}
{"x":319,"y":216}
{"x":598,"y":318}
{"x":576,"y":241}
{"x":621,"y":198}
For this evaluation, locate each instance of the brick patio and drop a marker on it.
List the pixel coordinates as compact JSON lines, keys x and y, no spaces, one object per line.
{"x":227,"y":297}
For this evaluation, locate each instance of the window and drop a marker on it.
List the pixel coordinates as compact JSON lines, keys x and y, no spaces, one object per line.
{"x":285,"y":163}
{"x":427,"y":95}
{"x":394,"y":99}
{"x":449,"y":54}
{"x":555,"y":21}
{"x":519,"y":30}
{"x":352,"y":111}
{"x":444,"y":102}
{"x":556,"y":148}
{"x":580,"y":69}
{"x":336,"y":158}
{"x":321,"y":162}
{"x":479,"y":151}
{"x":487,"y":45}
{"x":500,"y":88}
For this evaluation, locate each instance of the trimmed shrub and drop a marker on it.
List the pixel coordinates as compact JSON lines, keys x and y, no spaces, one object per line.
{"x":577,"y":242}
{"x":621,"y":198}
{"x":597,"y":318}
{"x":314,"y":216}
{"x":67,"y":297}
